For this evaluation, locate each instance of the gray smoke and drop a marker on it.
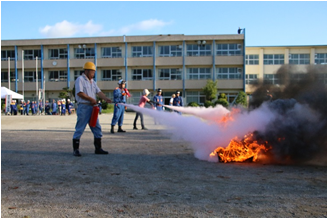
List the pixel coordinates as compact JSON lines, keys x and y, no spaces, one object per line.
{"x":293,"y":122}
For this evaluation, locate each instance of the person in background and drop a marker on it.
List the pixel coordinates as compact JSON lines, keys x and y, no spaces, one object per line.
{"x":177,"y":101}
{"x":54,"y":107}
{"x":119,"y":95}
{"x":100,"y":107}
{"x":59,"y":107}
{"x":13,"y":108}
{"x":158,"y":100}
{"x":69,"y":106}
{"x":27,"y":109}
{"x":21,"y":107}
{"x":142,"y":102}
{"x":63,"y":107}
{"x":47,"y":108}
{"x":171,"y":100}
{"x":86,"y":90}
{"x":32,"y":108}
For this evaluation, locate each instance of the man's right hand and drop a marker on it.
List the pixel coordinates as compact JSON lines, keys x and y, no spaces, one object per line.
{"x":93,"y":101}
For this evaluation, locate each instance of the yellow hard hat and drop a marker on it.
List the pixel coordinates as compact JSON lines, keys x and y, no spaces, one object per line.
{"x":90,"y":66}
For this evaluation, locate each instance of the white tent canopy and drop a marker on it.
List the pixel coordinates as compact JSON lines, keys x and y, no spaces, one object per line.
{"x":5,"y":91}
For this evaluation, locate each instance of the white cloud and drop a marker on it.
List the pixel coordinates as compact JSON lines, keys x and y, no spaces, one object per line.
{"x":146,"y":25}
{"x":68,"y":29}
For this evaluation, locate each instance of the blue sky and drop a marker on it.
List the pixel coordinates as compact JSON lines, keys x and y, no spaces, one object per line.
{"x":267,"y":23}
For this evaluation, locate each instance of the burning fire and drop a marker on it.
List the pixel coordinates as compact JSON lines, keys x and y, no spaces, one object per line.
{"x":241,"y":150}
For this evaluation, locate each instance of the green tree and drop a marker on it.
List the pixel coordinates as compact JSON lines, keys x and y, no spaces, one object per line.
{"x":222,"y":100}
{"x":193,"y":104}
{"x":210,"y":90}
{"x":241,"y":99}
{"x":65,"y":94}
{"x":208,"y":103}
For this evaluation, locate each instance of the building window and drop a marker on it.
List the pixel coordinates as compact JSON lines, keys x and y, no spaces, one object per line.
{"x":199,"y":73}
{"x":111,"y":75}
{"x":57,"y":75}
{"x":199,"y":50}
{"x":111,"y":52}
{"x":169,"y":74}
{"x":320,"y":58}
{"x":4,"y":76}
{"x":87,"y":53}
{"x":30,"y":76}
{"x":195,"y":96}
{"x":7,"y":53}
{"x":78,"y":73}
{"x":142,"y":74}
{"x":271,"y":79}
{"x":228,"y":73}
{"x":142,"y":51}
{"x":273,"y":59}
{"x":32,"y":54}
{"x":228,"y":49}
{"x":135,"y":97}
{"x":251,"y":59}
{"x":166,"y":51}
{"x":299,"y":59}
{"x":58,"y":53}
{"x":322,"y":77}
{"x":251,"y":79}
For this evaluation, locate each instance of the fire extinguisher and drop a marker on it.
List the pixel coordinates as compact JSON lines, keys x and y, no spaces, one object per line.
{"x":94,"y":116}
{"x":127,"y":92}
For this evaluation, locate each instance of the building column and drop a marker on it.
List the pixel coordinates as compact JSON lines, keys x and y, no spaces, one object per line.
{"x":154,"y":65}
{"x":41,"y":65}
{"x":214,"y":73}
{"x":95,"y":78}
{"x":68,"y":68}
{"x":16,"y":72}
{"x":244,"y":56}
{"x":183,"y":70}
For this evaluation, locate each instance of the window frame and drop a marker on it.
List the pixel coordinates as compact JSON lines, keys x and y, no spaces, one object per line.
{"x":251,"y":59}
{"x":139,"y":73}
{"x":61,"y":54}
{"x":197,"y":74}
{"x":142,"y":51}
{"x":171,"y":74}
{"x":59,"y":75}
{"x":230,"y":73}
{"x":114,"y":74}
{"x":173,"y":51}
{"x":297,"y":59}
{"x":273,"y":59}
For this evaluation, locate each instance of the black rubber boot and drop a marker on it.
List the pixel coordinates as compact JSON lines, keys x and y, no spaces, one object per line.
{"x":135,"y":127}
{"x":112,"y":130}
{"x":144,"y":128}
{"x":120,"y":129}
{"x":99,"y":150}
{"x":76,"y":145}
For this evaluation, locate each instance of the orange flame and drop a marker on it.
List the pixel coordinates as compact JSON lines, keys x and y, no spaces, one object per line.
{"x":241,"y":150}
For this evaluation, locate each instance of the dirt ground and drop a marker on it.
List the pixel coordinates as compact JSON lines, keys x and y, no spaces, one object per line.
{"x":145,"y":175}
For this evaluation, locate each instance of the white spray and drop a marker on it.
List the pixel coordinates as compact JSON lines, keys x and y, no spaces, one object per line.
{"x":200,"y":130}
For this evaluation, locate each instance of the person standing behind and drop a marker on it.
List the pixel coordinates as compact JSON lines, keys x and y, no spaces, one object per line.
{"x":27,"y":107}
{"x":47,"y":108}
{"x":69,"y":106}
{"x":63,"y":107}
{"x":142,"y":103}
{"x":21,"y":107}
{"x":86,"y":90}
{"x":158,"y":99}
{"x":59,"y":107}
{"x":54,"y":107}
{"x":119,"y":97}
{"x":13,"y":108}
{"x":177,"y":101}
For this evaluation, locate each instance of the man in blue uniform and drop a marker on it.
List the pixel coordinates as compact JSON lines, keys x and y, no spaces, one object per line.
{"x":119,"y":97}
{"x":158,"y":100}
{"x":63,"y":107}
{"x":100,"y":106}
{"x":54,"y":107}
{"x":86,"y":90}
{"x":13,"y":107}
{"x":47,"y":108}
{"x":69,"y":106}
{"x":27,"y":109}
{"x":177,"y":101}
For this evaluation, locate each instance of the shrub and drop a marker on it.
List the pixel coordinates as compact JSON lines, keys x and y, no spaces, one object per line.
{"x":193,"y":104}
{"x":222,"y":102}
{"x":208,"y":103}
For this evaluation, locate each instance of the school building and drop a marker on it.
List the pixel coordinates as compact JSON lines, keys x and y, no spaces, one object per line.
{"x":170,"y":62}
